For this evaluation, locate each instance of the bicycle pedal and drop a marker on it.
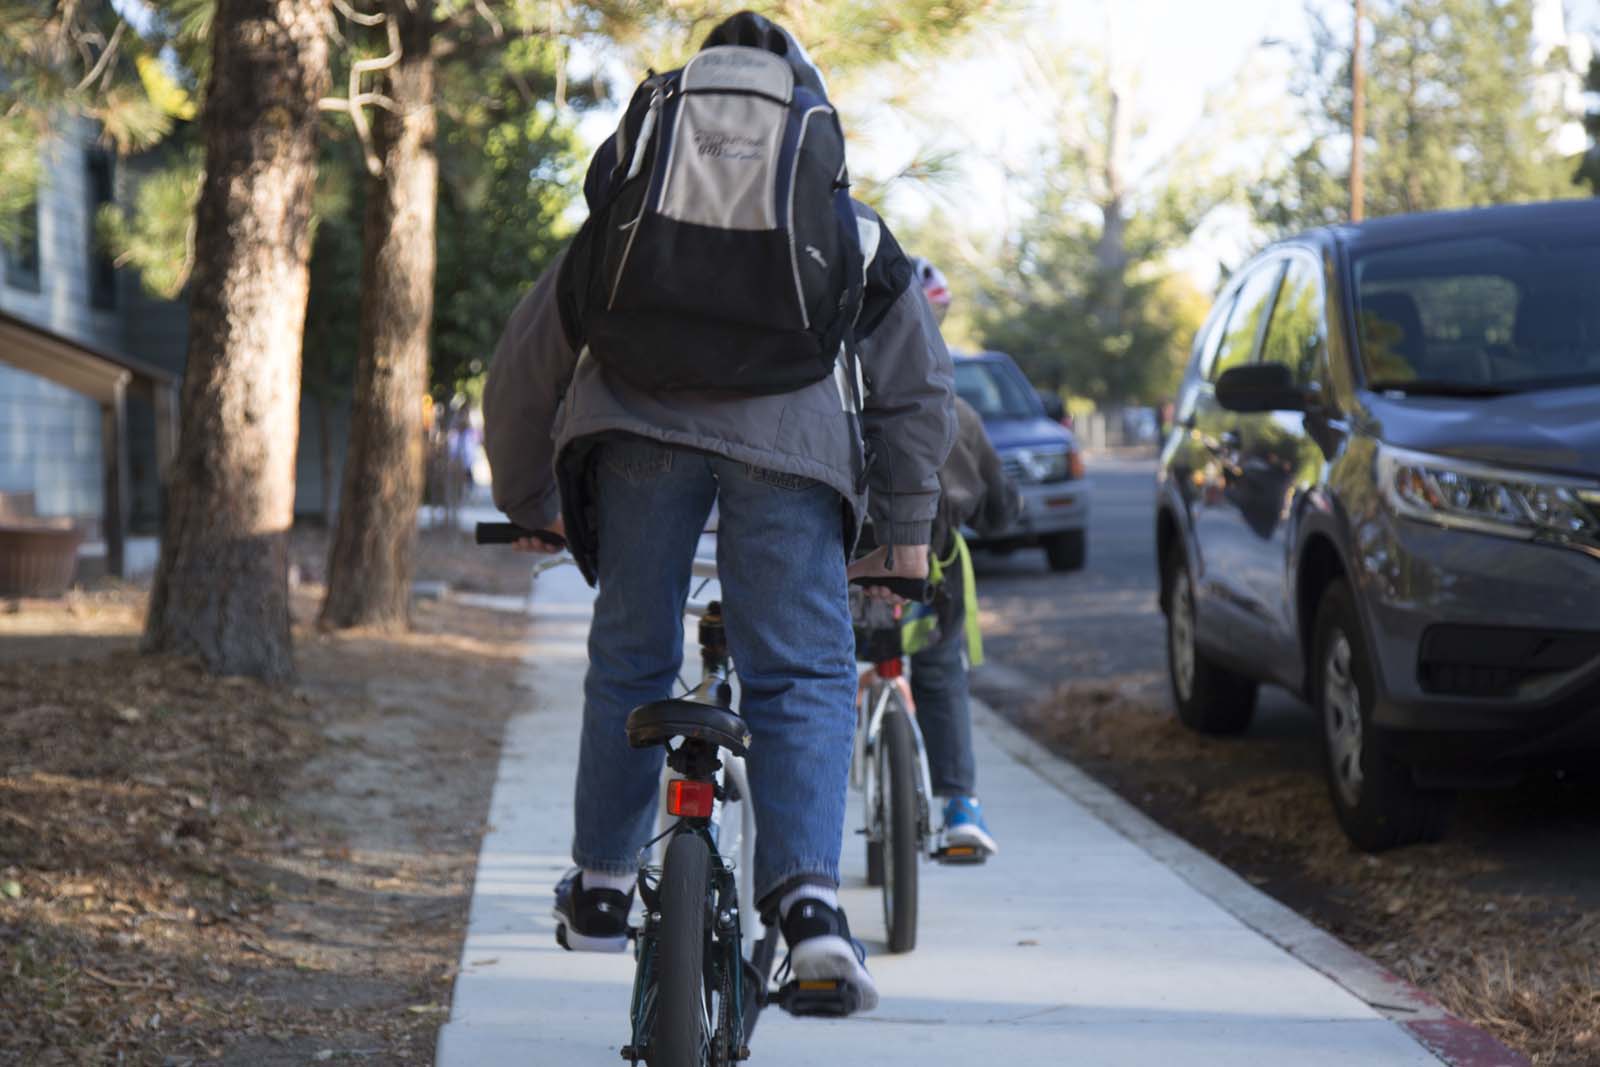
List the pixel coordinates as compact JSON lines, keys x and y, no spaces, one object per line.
{"x":961,"y":856}
{"x":826,"y":997}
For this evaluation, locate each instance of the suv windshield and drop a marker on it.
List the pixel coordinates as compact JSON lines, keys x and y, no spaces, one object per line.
{"x":1481,"y":315}
{"x":994,"y":391}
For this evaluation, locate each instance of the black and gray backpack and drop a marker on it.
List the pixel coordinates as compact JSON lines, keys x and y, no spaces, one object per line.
{"x":721,"y":251}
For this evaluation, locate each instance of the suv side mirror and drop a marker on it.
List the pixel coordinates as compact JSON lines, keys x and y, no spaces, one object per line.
{"x":1258,"y":387}
{"x":1055,"y":409}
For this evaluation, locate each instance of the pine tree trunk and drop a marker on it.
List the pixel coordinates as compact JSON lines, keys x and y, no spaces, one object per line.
{"x":330,"y":496}
{"x":1111,"y":251}
{"x":221,"y":589}
{"x":369,"y":565}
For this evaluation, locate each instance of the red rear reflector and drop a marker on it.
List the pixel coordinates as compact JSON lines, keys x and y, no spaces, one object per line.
{"x":890,"y":668}
{"x":690,"y":800}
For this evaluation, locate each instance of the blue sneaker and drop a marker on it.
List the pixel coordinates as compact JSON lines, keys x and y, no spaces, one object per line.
{"x":591,"y":920}
{"x":964,"y":826}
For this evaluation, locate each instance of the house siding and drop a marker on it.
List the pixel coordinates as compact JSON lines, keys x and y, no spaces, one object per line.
{"x":49,"y":435}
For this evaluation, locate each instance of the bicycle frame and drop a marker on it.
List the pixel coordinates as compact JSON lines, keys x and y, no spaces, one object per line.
{"x":730,"y":837}
{"x":872,"y":703}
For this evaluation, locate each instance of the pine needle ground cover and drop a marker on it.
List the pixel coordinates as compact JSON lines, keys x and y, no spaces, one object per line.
{"x":210,"y":870}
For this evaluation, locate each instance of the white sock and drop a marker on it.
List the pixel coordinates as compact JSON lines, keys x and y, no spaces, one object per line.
{"x":821,"y":894}
{"x":622,"y":883}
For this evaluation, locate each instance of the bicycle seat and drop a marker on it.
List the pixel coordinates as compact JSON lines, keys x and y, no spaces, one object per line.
{"x":660,"y":722}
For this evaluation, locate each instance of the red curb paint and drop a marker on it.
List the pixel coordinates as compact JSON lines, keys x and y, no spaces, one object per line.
{"x":1462,"y":1044}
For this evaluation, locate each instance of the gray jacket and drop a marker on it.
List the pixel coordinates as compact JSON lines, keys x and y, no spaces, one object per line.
{"x":545,"y":408}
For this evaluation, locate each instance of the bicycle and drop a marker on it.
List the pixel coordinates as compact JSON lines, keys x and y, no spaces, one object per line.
{"x":697,"y":995}
{"x":889,"y":766}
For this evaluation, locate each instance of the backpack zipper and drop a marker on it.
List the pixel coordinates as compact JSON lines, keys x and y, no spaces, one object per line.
{"x":646,"y":131}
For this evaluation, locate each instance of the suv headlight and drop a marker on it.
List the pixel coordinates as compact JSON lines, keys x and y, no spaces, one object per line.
{"x":1494,"y":500}
{"x":1043,"y":466}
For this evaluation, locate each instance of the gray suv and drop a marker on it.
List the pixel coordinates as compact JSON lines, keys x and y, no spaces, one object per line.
{"x":1382,"y":490}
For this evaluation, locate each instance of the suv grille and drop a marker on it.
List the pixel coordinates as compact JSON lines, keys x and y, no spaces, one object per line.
{"x":1493,"y":661}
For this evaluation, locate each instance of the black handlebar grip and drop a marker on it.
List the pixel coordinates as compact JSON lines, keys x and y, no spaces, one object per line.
{"x":916,"y":590}
{"x":505,"y":533}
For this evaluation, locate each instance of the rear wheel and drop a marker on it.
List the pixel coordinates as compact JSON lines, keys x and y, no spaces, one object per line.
{"x":686,"y":1023}
{"x":1375,"y":796}
{"x":1066,"y":551}
{"x":1210,"y":699}
{"x":897,"y":755}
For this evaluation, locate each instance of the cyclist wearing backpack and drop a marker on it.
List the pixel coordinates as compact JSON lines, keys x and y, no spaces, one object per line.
{"x":724,"y":328}
{"x":944,"y":642}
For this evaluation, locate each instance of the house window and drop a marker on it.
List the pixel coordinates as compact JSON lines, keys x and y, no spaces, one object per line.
{"x":102,"y":268}
{"x":21,"y":253}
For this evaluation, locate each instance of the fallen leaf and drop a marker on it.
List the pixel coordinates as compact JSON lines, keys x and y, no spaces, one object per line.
{"x":11,"y":888}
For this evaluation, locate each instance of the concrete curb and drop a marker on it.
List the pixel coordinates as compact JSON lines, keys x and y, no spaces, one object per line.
{"x":1452,"y":1040}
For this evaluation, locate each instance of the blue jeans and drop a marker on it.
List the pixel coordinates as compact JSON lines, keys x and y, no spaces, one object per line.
{"x":781,"y":561}
{"x":944,"y":714}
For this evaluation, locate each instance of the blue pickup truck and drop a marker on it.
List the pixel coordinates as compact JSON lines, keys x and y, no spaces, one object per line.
{"x":1038,"y":452}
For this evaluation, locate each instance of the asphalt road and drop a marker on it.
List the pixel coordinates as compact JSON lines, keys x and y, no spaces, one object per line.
{"x":1042,"y":628}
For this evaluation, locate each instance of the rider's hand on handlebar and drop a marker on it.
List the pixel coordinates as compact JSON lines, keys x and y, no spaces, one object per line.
{"x":910,"y":561}
{"x":540,"y":548}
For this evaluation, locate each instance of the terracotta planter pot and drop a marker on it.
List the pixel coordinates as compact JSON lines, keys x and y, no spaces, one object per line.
{"x":38,"y":556}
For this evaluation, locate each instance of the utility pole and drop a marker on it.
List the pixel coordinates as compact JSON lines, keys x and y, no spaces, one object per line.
{"x":1358,"y":120}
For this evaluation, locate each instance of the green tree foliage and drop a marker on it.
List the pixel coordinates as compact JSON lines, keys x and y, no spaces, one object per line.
{"x":1043,"y":312}
{"x":845,"y":37}
{"x":1589,"y":169}
{"x":510,"y":165}
{"x":1084,"y":299}
{"x":1454,"y":115}
{"x":65,"y":61}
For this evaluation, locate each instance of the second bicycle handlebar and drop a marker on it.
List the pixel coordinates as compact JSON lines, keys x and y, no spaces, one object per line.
{"x":915,"y":590}
{"x":505,"y":533}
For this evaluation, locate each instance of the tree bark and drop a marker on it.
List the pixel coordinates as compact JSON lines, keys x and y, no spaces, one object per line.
{"x":369,"y":564}
{"x":330,"y":497}
{"x":1111,"y":252}
{"x":221,"y":589}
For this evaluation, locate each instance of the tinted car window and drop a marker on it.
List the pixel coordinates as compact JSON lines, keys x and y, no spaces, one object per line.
{"x":994,"y":392}
{"x":1214,"y":328}
{"x":1244,"y":322}
{"x":1501,"y":311}
{"x":1294,"y":336}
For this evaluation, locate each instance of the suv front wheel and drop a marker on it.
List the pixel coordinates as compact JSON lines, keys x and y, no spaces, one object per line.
{"x":1066,"y":551}
{"x":1210,"y":698}
{"x":1374,"y":795}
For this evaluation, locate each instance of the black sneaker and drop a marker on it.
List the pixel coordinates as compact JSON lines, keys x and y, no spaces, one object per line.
{"x":822,"y":950}
{"x":591,"y":920}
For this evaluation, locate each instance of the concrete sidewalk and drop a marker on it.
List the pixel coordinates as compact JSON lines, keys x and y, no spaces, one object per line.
{"x":1085,"y":942}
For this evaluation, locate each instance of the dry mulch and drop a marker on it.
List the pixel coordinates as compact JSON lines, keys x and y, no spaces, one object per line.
{"x":1523,"y":965}
{"x":197,"y":870}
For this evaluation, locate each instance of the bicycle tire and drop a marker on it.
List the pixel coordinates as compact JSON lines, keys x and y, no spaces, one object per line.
{"x":684,"y":1033}
{"x":871,"y":786}
{"x":901,"y":846}
{"x":875,"y":864}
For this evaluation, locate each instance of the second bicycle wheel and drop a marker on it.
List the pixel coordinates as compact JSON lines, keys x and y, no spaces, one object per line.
{"x":685,"y":1021}
{"x":897,"y":786}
